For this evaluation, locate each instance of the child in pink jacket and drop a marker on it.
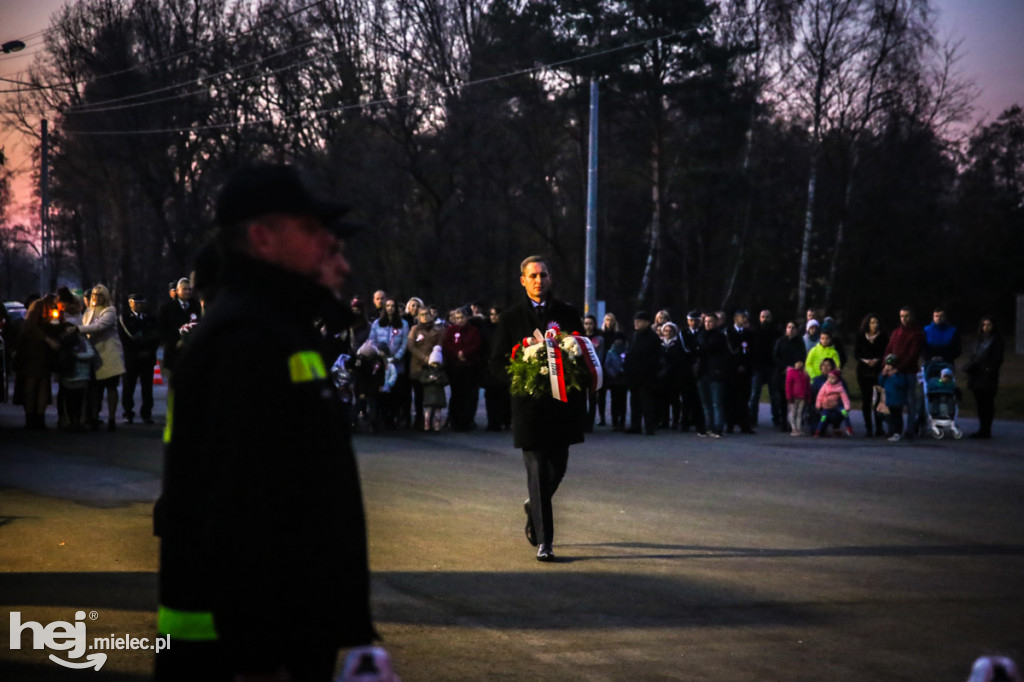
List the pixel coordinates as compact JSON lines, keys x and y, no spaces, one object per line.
{"x":798,"y":387}
{"x":833,"y":404}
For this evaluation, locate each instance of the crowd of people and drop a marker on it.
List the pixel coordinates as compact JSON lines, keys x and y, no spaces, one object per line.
{"x":413,"y":365}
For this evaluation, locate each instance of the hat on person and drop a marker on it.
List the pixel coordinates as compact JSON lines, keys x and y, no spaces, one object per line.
{"x":946,"y":372}
{"x":836,"y":373}
{"x":268,"y":189}
{"x":619,"y":336}
{"x":642,"y":315}
{"x":436,"y":356}
{"x":671,"y":325}
{"x":693,"y":314}
{"x":812,"y":323}
{"x":828,"y":326}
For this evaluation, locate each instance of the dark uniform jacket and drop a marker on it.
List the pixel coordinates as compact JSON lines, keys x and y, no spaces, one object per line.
{"x":172,"y":316}
{"x":261,"y":515}
{"x":140,"y":337}
{"x":642,"y":359}
{"x":544,"y":422}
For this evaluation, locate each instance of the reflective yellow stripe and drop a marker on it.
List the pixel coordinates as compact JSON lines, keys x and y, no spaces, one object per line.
{"x":194,"y":626}
{"x":306,"y":366}
{"x":170,"y":416}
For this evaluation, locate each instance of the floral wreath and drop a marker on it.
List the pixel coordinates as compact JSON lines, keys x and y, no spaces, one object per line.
{"x":553,"y":364}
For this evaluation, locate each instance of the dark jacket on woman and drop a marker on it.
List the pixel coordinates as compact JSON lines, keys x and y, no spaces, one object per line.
{"x":983,"y":369}
{"x":865,"y":349}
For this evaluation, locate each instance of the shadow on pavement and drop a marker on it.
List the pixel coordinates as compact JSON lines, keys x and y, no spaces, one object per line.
{"x":552,"y":599}
{"x":658,"y":551}
{"x":128,"y":591}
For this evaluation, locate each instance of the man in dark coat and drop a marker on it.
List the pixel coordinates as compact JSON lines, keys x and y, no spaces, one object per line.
{"x":742,"y":348}
{"x":765,"y":335}
{"x":642,"y":374}
{"x":543,"y":427}
{"x":263,"y":558}
{"x":176,"y":319}
{"x":140,"y":338}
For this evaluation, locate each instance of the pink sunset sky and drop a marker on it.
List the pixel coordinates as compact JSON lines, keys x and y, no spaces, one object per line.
{"x":991,"y":31}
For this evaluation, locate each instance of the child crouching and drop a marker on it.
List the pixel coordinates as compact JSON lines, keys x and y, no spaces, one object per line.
{"x":833,"y":404}
{"x":434,"y":379}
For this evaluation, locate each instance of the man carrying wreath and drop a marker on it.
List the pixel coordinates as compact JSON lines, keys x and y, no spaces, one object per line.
{"x":543,"y":427}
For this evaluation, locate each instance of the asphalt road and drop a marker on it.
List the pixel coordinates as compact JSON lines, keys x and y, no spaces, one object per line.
{"x":751,"y":558}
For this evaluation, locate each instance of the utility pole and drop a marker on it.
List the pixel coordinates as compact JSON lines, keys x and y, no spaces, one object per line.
{"x":44,"y":211}
{"x":590,"y":285}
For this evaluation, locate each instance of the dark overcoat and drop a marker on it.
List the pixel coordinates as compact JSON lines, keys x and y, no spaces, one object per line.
{"x":538,"y":423}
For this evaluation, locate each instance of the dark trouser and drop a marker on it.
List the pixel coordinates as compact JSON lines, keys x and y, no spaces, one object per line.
{"x":602,"y":401}
{"x":70,"y":404}
{"x":417,"y":402}
{"x":737,"y":410}
{"x":668,"y":404}
{"x":829,"y":416}
{"x":462,"y":408}
{"x":896,"y":420}
{"x":712,"y":397}
{"x":867,"y":399}
{"x":402,"y":391}
{"x":643,"y":408}
{"x":95,"y":397}
{"x":144,"y":375}
{"x":760,"y":378}
{"x":618,"y":406}
{"x":692,"y":411}
{"x":544,"y":472}
{"x":986,"y":401}
{"x":498,"y":403}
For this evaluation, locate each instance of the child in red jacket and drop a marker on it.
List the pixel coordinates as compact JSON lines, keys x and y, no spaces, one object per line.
{"x":798,"y":387}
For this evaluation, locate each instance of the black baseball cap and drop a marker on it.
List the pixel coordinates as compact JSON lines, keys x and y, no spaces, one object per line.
{"x":268,"y":189}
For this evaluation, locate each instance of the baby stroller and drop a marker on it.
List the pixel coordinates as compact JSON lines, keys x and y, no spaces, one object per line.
{"x":940,"y":399}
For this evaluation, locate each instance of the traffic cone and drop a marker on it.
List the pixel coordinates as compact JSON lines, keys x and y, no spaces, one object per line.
{"x":158,"y":380}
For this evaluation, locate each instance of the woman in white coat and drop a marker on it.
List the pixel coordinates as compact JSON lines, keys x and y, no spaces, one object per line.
{"x":100,"y":324}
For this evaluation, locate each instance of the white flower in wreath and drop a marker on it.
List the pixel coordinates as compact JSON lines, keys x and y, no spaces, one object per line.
{"x":570,"y":346}
{"x":544,"y":370}
{"x":534,"y":351}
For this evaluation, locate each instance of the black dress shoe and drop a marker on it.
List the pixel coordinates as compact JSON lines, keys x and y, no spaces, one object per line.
{"x":545,"y":553}
{"x":531,"y":533}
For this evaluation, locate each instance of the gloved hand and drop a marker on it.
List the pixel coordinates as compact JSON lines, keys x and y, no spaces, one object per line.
{"x":845,"y":413}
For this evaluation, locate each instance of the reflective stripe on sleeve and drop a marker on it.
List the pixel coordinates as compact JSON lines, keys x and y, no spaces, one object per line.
{"x":193,"y":626}
{"x":306,"y":366}
{"x":170,"y":415}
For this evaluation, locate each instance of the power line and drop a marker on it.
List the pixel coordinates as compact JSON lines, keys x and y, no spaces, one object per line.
{"x":96,"y":107}
{"x":389,"y":100}
{"x":227,"y":39}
